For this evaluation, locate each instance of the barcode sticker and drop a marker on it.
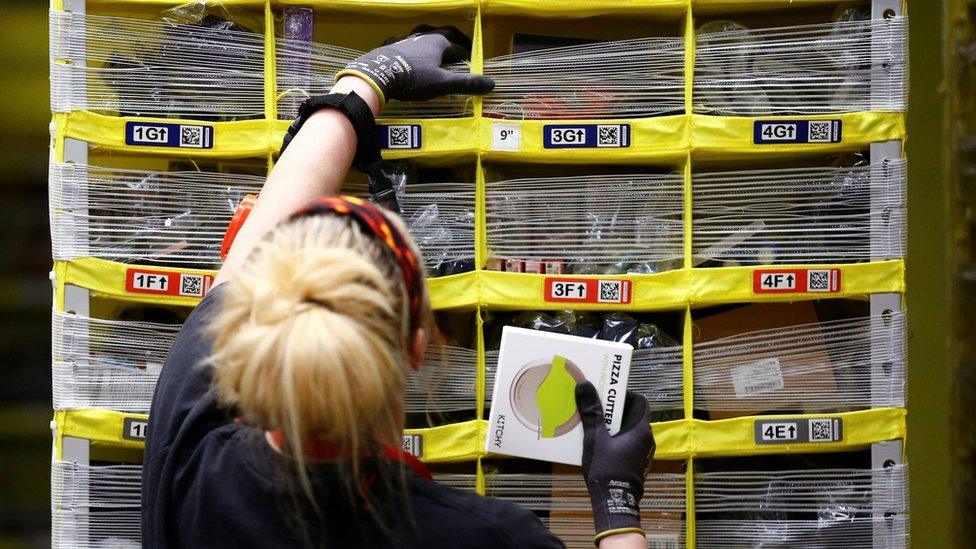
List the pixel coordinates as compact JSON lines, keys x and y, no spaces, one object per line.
{"x":760,"y":377}
{"x":400,"y":136}
{"x":414,"y":444}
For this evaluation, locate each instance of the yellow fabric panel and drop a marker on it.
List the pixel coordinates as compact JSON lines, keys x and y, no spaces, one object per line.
{"x":724,"y":137}
{"x":455,"y":442}
{"x":504,"y":290}
{"x":582,"y":8}
{"x":230,"y":139}
{"x":455,"y":291}
{"x":97,"y":426}
{"x":736,"y":437}
{"x":164,"y":3}
{"x":108,"y":278}
{"x":270,"y":66}
{"x":735,"y":284}
{"x":657,"y":140}
{"x":438,"y":137}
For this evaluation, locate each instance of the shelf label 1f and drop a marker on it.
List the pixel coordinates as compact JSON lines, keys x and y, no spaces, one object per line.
{"x":795,"y":281}
{"x":585,"y":136}
{"x":588,"y":290}
{"x":792,"y":431}
{"x":171,"y":283}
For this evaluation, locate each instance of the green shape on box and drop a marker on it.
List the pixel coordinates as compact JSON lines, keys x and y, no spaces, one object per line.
{"x":556,"y":398}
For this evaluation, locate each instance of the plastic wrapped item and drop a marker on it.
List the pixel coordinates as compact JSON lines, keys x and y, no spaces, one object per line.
{"x":802,"y":69}
{"x":306,"y":68}
{"x":558,"y":496}
{"x":619,"y":327}
{"x":619,"y":79}
{"x":649,"y":336}
{"x":620,"y":222}
{"x":96,"y":505}
{"x":166,"y":218}
{"x":800,"y":501}
{"x":818,"y":215}
{"x":199,"y":60}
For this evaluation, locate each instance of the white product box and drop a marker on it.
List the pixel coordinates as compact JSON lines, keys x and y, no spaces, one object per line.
{"x":533,"y":404}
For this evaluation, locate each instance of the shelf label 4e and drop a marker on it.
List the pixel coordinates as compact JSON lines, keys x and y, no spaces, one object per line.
{"x":792,"y":431}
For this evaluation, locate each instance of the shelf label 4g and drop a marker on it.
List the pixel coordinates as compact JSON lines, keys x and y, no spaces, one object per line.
{"x":773,"y":132}
{"x":588,"y":290}
{"x":795,"y":281}
{"x":585,"y":136}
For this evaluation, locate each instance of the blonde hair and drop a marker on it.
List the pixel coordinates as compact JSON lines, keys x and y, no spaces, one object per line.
{"x":312,"y":338}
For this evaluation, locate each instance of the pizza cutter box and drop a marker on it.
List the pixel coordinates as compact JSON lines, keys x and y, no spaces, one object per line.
{"x":533,"y":405}
{"x":571,"y":516}
{"x":789,"y":372}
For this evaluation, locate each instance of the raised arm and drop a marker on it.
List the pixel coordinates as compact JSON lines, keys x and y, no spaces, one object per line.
{"x":319,"y":156}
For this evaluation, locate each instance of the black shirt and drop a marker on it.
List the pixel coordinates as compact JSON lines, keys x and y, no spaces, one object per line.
{"x":209,"y":482}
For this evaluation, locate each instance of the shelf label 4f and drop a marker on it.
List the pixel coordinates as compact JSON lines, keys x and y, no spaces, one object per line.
{"x":796,"y":281}
{"x":792,"y":431}
{"x":588,"y":290}
{"x":179,"y":136}
{"x":151,"y":282}
{"x":585,"y":136}
{"x":774,"y":132}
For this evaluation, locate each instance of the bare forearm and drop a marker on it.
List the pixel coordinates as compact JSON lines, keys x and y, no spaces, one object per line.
{"x":314,"y":165}
{"x":631,"y":540}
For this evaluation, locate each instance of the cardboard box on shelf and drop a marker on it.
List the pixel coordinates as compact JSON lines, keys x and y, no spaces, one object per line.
{"x":571,"y":518}
{"x":775,"y":370}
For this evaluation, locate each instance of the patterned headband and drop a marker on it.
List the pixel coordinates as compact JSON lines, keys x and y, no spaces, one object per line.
{"x":372,"y":220}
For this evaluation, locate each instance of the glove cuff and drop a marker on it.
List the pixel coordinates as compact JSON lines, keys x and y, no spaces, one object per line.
{"x":349,"y":71}
{"x":616,"y":506}
{"x":615,"y":531}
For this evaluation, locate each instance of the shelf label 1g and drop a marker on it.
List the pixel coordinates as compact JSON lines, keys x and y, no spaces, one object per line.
{"x":585,"y":136}
{"x":588,"y":290}
{"x":179,"y":136}
{"x":772,"y":132}
{"x":146,"y":281}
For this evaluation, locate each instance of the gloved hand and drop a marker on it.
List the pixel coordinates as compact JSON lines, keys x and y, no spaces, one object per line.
{"x":615,"y":468}
{"x":410,"y":70}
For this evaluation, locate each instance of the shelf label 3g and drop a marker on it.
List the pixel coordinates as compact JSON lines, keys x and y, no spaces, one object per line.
{"x":585,"y":136}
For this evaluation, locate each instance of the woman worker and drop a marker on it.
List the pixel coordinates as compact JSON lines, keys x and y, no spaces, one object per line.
{"x":278,"y":416}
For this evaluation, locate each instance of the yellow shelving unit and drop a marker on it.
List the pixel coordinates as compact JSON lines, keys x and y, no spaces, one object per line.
{"x":87,"y":284}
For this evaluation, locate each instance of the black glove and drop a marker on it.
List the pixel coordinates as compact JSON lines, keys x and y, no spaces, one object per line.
{"x":410,"y":70}
{"x":615,"y":468}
